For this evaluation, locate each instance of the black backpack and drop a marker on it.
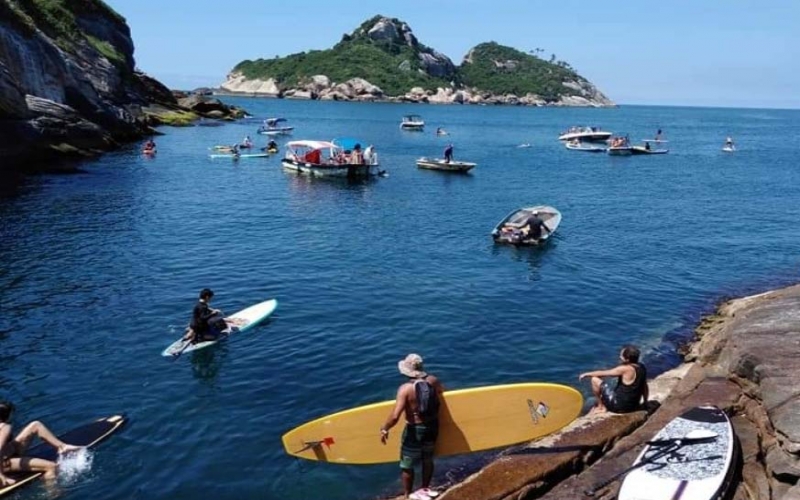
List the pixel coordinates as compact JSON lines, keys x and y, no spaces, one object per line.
{"x":427,"y":399}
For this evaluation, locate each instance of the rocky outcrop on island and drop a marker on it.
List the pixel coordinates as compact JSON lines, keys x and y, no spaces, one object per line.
{"x":68,"y":84}
{"x":383,"y":60}
{"x":743,"y":360}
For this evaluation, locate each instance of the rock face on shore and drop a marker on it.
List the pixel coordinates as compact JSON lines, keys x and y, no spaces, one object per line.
{"x":68,"y":86}
{"x":383,"y":60}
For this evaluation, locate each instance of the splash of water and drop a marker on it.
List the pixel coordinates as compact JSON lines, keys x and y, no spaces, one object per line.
{"x":72,"y":465}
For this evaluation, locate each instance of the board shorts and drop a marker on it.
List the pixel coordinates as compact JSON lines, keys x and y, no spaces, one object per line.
{"x":418,"y":443}
{"x":610,"y":400}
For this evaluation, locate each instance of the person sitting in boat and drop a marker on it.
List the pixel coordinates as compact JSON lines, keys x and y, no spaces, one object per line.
{"x":357,"y":157}
{"x":247,"y":142}
{"x":647,"y":146}
{"x":534,"y":226}
{"x":448,"y":153}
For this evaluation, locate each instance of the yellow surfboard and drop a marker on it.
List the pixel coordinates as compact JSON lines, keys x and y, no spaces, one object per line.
{"x":469,"y":420}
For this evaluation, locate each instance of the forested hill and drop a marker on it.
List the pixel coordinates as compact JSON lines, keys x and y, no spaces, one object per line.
{"x":383,"y":60}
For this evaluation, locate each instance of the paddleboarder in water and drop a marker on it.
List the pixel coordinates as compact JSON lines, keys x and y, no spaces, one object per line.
{"x":631,"y":389}
{"x":418,"y":399}
{"x":199,"y":329}
{"x":12,"y":451}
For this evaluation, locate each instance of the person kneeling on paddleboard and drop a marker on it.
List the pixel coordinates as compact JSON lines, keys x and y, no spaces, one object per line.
{"x":419,"y":400}
{"x":207,"y":323}
{"x":631,"y":389}
{"x":12,"y":451}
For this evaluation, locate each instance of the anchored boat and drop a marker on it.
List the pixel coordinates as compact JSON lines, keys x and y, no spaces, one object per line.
{"x":586,"y":134}
{"x":412,"y":122}
{"x":327,"y":159}
{"x":510,"y":229}
{"x":445,"y":166}
{"x":272,"y":126}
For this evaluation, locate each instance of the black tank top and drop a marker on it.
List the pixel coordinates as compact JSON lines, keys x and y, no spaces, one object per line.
{"x":628,"y":396}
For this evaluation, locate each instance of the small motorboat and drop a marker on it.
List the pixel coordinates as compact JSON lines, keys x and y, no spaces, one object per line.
{"x":272,"y":127}
{"x":575,"y":145}
{"x":445,"y":166}
{"x":647,"y":149}
{"x":585,"y":134}
{"x":328,"y":159}
{"x":509,"y":230}
{"x":412,"y":122}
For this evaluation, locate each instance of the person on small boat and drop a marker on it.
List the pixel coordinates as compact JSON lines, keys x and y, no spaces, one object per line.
{"x":369,"y":154}
{"x":631,"y":389}
{"x":272,"y":146}
{"x":729,"y":142}
{"x":534,"y":226}
{"x":418,"y":400}
{"x":647,"y":146}
{"x":448,"y":153}
{"x":247,"y":142}
{"x":357,"y":157}
{"x":13,"y":450}
{"x":205,"y":324}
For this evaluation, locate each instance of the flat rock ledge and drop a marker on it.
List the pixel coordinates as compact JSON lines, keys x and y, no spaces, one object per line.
{"x":744,"y":360}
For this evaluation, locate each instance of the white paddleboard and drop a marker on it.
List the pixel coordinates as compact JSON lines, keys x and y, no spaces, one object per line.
{"x":243,"y":155}
{"x":237,"y":322}
{"x":697,"y":471}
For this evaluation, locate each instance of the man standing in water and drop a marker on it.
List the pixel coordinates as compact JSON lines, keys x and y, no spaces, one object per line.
{"x":12,"y":451}
{"x":631,"y":389}
{"x":418,"y":399}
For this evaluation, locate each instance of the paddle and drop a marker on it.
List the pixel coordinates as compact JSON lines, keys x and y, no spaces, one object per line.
{"x":672,"y":445}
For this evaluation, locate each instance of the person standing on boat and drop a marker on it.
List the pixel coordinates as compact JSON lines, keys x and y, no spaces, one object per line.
{"x":418,"y":399}
{"x":369,"y":154}
{"x":631,"y":389}
{"x":448,"y":153}
{"x":658,"y":135}
{"x":357,"y":157}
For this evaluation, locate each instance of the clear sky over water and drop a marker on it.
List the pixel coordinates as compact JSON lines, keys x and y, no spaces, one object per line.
{"x":683,"y":52}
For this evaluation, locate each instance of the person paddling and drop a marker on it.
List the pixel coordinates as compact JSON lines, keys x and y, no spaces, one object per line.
{"x":13,"y":450}
{"x":202,"y":326}
{"x":418,"y":400}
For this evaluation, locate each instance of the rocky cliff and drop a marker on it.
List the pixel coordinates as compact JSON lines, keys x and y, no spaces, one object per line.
{"x":67,"y":82}
{"x":383,"y":60}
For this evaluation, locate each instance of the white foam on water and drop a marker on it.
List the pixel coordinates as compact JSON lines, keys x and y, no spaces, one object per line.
{"x":72,"y":465}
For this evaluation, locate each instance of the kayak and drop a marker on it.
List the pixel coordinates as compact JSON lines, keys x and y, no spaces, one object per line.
{"x":241,"y":321}
{"x":249,"y":155}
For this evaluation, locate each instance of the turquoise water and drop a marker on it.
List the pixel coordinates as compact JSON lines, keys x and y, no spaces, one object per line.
{"x":99,"y":272}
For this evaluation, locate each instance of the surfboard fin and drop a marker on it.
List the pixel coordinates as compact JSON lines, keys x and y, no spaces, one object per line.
{"x":328,"y":441}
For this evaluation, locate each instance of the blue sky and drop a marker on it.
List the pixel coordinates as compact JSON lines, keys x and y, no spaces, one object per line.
{"x":682,"y":52}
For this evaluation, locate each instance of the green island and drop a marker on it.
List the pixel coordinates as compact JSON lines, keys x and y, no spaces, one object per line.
{"x":383,"y":60}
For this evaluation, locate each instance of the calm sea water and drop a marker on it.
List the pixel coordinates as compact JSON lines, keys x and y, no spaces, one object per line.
{"x":99,"y":272}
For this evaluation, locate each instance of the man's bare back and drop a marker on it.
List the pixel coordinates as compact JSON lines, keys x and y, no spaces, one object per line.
{"x":409,"y":395}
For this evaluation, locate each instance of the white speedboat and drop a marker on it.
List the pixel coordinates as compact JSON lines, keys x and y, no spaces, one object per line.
{"x":326,"y":159}
{"x":579,"y":146}
{"x":412,"y":122}
{"x":585,"y":134}
{"x":445,"y":166}
{"x":509,"y":230}
{"x":619,"y":146}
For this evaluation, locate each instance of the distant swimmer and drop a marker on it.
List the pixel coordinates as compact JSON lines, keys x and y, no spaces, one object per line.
{"x":13,"y":451}
{"x":441,"y":131}
{"x":418,"y":400}
{"x":149,"y":147}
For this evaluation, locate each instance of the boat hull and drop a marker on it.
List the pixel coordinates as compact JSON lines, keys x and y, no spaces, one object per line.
{"x":441,"y":165}
{"x":639,"y":150}
{"x":345,"y":171}
{"x":413,"y":127}
{"x":626,"y":151}
{"x":586,"y":136}
{"x":586,"y":149}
